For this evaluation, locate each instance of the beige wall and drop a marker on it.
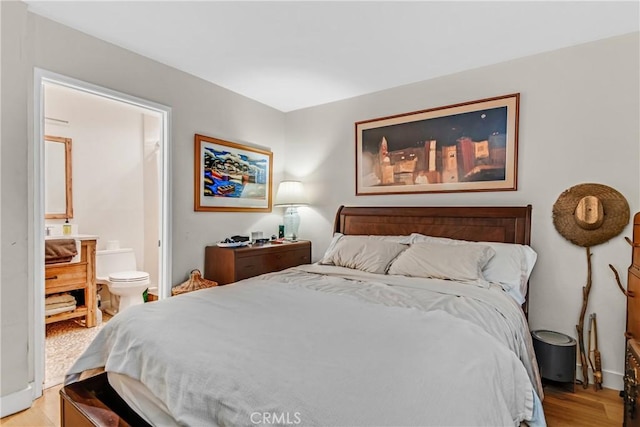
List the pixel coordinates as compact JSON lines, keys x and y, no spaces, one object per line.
{"x":197,"y":107}
{"x":16,"y":280}
{"x":107,"y":164}
{"x":579,"y":122}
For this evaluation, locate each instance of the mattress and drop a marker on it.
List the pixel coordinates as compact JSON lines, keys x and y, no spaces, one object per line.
{"x":141,"y":400}
{"x":327,"y":345}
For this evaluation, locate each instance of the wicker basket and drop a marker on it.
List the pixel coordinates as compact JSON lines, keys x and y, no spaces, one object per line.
{"x":195,"y":282}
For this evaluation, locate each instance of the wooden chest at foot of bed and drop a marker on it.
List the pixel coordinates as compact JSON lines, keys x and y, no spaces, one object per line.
{"x":92,"y":402}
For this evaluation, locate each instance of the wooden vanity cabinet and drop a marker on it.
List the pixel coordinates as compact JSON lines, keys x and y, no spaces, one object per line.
{"x":67,"y":277}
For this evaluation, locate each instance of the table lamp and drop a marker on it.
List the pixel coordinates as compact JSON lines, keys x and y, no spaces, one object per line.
{"x":291,"y":195}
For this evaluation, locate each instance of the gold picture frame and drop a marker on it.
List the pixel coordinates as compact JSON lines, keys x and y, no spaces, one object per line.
{"x":472,"y":146}
{"x":231,"y":177}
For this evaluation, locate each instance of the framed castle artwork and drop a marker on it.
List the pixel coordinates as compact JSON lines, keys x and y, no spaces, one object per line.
{"x":472,"y":146}
{"x":231,"y":177}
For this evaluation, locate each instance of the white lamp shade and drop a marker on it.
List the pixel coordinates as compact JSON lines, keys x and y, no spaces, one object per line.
{"x":290,"y":193}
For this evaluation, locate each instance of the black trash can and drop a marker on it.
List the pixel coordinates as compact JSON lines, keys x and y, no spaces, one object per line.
{"x":556,"y":354}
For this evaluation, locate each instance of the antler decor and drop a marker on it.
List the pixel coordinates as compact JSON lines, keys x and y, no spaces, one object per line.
{"x":615,"y":272}
{"x":627,"y":292}
{"x":580,"y":326}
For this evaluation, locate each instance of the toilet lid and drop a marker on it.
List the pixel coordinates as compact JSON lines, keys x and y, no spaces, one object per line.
{"x":129,"y":276}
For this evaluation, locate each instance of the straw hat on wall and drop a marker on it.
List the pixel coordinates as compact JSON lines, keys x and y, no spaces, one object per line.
{"x":590,"y":214}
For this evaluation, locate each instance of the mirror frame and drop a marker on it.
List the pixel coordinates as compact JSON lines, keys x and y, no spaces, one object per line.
{"x":68,"y":178}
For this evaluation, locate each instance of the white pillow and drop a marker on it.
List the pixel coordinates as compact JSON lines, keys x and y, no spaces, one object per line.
{"x":511,"y":265}
{"x":442,"y":261}
{"x":405,"y":240}
{"x":363,"y":253}
{"x":332,"y":245}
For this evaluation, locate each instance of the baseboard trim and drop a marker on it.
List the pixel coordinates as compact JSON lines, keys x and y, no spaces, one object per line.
{"x":613,"y":380}
{"x":16,"y":402}
{"x":610,"y":379}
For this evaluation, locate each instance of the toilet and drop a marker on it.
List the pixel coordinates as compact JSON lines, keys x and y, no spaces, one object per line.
{"x":116,"y":268}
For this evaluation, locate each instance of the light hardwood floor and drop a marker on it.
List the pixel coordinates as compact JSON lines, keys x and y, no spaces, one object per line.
{"x":45,"y":411}
{"x":584,"y":408}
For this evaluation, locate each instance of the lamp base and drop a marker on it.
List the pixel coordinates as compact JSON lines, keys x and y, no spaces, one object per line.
{"x":291,"y":223}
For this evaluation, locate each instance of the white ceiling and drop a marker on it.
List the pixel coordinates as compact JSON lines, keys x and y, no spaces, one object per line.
{"x":292,"y":55}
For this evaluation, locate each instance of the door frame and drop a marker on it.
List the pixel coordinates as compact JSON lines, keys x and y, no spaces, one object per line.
{"x":42,"y":77}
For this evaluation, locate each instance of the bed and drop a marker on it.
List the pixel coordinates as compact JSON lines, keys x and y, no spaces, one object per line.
{"x":363,"y":337}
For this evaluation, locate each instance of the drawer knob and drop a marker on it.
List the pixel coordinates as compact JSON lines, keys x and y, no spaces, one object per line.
{"x":52,"y":278}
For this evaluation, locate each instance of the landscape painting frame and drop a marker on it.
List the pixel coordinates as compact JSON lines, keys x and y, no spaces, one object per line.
{"x":231,"y":177}
{"x":470,"y":146}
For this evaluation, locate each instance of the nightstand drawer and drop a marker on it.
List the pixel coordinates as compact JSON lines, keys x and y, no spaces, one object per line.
{"x":283,"y":260}
{"x":250,"y":266}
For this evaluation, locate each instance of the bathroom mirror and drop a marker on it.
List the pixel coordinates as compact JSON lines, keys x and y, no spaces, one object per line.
{"x":58,"y":201}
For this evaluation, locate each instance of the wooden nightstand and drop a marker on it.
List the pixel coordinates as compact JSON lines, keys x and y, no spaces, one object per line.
{"x":228,"y":265}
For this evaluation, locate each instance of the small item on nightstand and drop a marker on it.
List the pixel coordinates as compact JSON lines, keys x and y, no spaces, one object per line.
{"x":280,"y":231}
{"x":234,"y":242}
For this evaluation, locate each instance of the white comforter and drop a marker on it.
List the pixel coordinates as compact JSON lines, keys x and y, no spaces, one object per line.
{"x":323,"y":345}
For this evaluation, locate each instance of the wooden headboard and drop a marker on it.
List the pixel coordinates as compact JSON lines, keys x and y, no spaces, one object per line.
{"x":509,"y":224}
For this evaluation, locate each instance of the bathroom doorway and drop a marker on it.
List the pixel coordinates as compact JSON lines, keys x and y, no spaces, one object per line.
{"x":120,"y":177}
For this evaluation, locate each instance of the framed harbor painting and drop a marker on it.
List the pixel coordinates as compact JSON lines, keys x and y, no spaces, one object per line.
{"x":231,"y":177}
{"x":472,"y":146}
